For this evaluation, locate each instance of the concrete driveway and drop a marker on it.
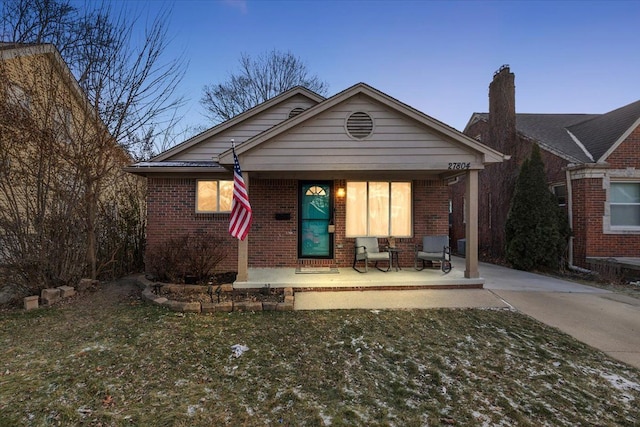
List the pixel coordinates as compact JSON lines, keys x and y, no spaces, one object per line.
{"x":605,"y":320}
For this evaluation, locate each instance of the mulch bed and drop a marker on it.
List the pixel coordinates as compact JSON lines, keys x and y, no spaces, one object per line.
{"x":219,"y":293}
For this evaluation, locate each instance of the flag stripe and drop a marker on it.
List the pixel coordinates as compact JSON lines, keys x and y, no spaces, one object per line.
{"x":241,"y":214}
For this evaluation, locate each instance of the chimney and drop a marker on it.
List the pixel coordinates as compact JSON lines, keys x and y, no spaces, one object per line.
{"x":502,"y":110}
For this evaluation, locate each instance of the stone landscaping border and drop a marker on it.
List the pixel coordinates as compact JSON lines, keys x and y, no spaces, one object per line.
{"x":205,"y":307}
{"x":50,"y":296}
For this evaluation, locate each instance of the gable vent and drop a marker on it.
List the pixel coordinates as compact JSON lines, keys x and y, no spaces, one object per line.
{"x":359,"y":125}
{"x":295,"y":111}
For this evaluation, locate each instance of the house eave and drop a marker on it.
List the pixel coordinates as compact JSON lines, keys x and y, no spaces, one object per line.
{"x":154,"y":168}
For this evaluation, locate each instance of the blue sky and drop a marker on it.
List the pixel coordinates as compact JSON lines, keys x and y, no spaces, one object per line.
{"x":437,"y":56}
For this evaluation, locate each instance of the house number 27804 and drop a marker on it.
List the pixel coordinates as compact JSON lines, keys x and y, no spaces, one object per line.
{"x":459,"y":165}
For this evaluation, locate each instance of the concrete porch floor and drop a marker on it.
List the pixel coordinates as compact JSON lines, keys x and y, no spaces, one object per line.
{"x":348,"y":279}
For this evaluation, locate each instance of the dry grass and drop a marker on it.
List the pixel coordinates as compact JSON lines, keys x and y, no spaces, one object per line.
{"x":122,"y":362}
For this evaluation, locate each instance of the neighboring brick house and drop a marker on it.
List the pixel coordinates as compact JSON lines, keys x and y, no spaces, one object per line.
{"x":592,"y":163}
{"x":320,"y":172}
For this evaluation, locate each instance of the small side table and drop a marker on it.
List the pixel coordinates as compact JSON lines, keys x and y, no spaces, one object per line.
{"x":394,"y":255}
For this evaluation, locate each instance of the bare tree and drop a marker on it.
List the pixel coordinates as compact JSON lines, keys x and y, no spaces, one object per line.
{"x":43,"y":234}
{"x":256,"y":81}
{"x":128,"y":90}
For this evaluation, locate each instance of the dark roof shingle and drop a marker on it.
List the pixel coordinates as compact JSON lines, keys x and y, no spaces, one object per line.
{"x":593,"y":134}
{"x":601,"y":132}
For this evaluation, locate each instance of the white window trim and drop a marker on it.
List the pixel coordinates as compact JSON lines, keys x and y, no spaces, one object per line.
{"x":217,"y":181}
{"x":629,"y":175}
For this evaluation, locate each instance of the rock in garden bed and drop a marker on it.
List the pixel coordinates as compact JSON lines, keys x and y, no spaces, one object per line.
{"x":216,"y":297}
{"x":219,"y":294}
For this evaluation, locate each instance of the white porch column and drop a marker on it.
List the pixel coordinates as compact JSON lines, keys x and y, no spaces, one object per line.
{"x":243,"y":247}
{"x":471,"y":219}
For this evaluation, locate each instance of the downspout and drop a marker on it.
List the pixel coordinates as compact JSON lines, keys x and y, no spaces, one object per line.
{"x":570,"y":217}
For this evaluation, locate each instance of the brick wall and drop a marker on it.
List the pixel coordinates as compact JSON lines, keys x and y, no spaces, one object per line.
{"x":589,"y":240}
{"x":171,"y":213}
{"x":627,"y":155}
{"x":430,"y":217}
{"x":496,"y":184}
{"x":588,"y":207}
{"x":589,"y":198}
{"x":273,"y":243}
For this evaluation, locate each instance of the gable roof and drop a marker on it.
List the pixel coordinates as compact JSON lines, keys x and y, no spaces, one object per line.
{"x":578,"y":138}
{"x":17,"y":50}
{"x":316,"y":141}
{"x":490,"y":155}
{"x":605,"y":132}
{"x":298,"y":90}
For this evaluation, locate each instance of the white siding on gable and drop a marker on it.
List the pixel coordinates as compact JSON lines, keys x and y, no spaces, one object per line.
{"x":396,"y":143}
{"x":209,"y":149}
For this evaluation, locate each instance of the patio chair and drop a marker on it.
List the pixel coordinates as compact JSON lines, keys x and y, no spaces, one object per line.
{"x":434,"y":249}
{"x":368,"y":250}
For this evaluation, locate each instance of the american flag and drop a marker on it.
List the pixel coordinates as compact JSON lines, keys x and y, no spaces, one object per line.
{"x":241,"y":214}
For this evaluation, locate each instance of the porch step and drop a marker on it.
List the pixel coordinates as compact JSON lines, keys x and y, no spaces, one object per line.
{"x":387,"y":288}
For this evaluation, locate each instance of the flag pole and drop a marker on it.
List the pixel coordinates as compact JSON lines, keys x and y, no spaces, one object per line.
{"x":241,"y":216}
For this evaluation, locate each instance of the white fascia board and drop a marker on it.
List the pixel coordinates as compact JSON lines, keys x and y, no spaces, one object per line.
{"x":580,"y":144}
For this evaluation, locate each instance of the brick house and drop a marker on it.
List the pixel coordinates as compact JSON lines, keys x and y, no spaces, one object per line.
{"x":592,"y":164}
{"x":319,"y":173}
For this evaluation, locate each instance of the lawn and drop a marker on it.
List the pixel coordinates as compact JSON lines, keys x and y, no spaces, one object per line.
{"x":98,"y":362}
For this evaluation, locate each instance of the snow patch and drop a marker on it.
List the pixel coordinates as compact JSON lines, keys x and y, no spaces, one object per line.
{"x":193,"y":409}
{"x":621,"y":384}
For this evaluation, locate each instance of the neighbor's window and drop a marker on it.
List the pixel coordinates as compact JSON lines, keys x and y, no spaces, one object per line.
{"x":62,"y":124}
{"x":16,"y":96}
{"x":560,"y":191}
{"x":625,"y":204}
{"x":213,"y":196}
{"x":379,"y":209}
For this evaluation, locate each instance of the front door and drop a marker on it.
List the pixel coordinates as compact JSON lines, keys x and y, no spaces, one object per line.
{"x":315,"y":216}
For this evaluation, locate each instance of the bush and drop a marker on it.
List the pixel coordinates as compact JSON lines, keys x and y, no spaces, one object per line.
{"x":186,"y":256}
{"x":537,"y":229}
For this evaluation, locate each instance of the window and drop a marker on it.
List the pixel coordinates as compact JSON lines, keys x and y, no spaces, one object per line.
{"x":213,"y":196}
{"x":625,"y":204}
{"x":18,"y":97}
{"x":560,"y":191}
{"x":379,"y":209}
{"x":62,"y":124}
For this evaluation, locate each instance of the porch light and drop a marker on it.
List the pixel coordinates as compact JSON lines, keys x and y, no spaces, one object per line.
{"x":341,"y":192}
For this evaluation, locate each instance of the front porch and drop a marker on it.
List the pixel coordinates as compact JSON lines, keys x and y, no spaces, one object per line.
{"x":347,"y":279}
